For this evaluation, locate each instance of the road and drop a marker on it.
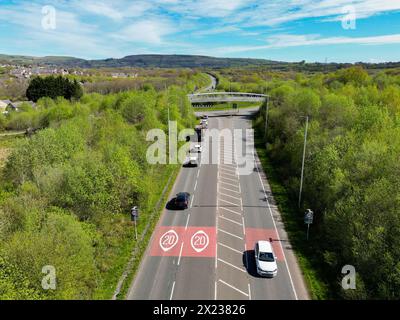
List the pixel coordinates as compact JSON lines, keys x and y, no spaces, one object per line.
{"x":206,"y":252}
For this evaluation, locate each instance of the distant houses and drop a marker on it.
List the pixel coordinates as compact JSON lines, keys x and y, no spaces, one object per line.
{"x":28,"y":72}
{"x":6,"y":105}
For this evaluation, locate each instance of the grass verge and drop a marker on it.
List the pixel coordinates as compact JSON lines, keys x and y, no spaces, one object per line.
{"x":308,"y":257}
{"x":148,"y":221}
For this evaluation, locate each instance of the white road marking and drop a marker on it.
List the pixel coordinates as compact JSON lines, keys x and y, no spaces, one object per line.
{"x":276,"y":229}
{"x":232,"y":185}
{"x":230,"y":190}
{"x":249,"y":292}
{"x":227,"y":195}
{"x":231,"y":234}
{"x":234,"y":180}
{"x":234,"y":204}
{"x":187,"y":221}
{"x":235,"y":222}
{"x":230,"y":248}
{"x":191,"y":202}
{"x":241,"y":204}
{"x":215,"y":290}
{"x":228,"y":174}
{"x":239,"y":214}
{"x":234,"y":288}
{"x":172,"y":291}
{"x":244,"y":229}
{"x":232,"y":265}
{"x":180,"y":254}
{"x":195,"y":186}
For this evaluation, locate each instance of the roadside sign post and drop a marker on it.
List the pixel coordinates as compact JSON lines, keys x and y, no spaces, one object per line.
{"x":134,"y":218}
{"x":308,"y":219}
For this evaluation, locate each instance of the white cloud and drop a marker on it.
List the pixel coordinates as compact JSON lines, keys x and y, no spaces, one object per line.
{"x":146,"y":31}
{"x":287,"y":41}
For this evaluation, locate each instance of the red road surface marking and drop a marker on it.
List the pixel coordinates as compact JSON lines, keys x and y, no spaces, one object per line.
{"x":197,"y":242}
{"x":253,"y":235}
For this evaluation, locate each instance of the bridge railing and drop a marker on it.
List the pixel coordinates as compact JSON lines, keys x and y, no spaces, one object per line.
{"x":226,"y":97}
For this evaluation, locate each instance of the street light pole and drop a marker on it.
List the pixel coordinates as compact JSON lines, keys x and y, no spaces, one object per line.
{"x":304,"y":158}
{"x":266,"y":119}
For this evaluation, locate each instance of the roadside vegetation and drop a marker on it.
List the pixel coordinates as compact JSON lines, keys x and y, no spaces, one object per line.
{"x":352,"y":180}
{"x":66,"y":192}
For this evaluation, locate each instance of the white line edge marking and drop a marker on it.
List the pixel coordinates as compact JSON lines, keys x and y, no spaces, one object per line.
{"x":276,"y":229}
{"x":215,"y":290}
{"x":234,"y":288}
{"x":230,"y":220}
{"x":172,"y":291}
{"x":228,"y":247}
{"x":231,"y":234}
{"x":195,"y":186}
{"x":244,"y":230}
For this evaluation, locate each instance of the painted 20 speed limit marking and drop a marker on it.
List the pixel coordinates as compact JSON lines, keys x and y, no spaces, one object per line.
{"x":192,"y":242}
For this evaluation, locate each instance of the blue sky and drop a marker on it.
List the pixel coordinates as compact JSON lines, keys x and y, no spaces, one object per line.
{"x":291,"y":30}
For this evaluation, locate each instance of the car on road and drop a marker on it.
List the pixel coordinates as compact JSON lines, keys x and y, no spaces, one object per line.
{"x":191,"y":162}
{"x":182,"y":200}
{"x":204,"y":117}
{"x":196,"y":149}
{"x":265,"y":259}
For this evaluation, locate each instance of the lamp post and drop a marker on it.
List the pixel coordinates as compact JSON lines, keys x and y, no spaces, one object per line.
{"x":303,"y":162}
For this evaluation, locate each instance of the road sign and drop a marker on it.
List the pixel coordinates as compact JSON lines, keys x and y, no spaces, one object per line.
{"x":135,"y":214}
{"x":309,"y":217}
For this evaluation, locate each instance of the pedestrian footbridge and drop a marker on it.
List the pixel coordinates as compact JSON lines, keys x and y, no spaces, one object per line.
{"x":223,"y":97}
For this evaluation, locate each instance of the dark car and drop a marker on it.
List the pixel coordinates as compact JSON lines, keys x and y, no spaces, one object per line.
{"x":182,"y":200}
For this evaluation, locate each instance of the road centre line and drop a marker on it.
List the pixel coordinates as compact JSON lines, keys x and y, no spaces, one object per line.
{"x":228,"y":247}
{"x":234,"y":288}
{"x":230,"y":220}
{"x":231,"y":234}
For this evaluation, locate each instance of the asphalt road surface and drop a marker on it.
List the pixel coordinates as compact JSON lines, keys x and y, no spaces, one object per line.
{"x":206,"y":252}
